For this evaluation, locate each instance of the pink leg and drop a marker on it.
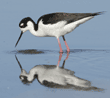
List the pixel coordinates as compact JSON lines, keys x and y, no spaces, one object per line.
{"x":65,"y":60}
{"x":68,"y":49}
{"x":61,"y":51}
{"x":67,"y":56}
{"x":60,"y":56}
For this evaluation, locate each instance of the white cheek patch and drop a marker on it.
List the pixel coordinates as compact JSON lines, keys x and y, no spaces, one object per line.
{"x":22,"y":24}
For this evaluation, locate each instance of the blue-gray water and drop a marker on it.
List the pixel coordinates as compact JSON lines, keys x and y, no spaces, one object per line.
{"x":89,"y":45}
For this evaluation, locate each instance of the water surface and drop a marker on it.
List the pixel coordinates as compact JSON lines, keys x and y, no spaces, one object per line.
{"x":89,"y":58}
{"x":87,"y":64}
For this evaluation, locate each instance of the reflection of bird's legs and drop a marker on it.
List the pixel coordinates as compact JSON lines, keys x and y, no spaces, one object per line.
{"x":60,"y":56}
{"x":65,"y":60}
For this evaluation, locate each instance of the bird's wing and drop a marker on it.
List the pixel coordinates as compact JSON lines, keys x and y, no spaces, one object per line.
{"x":73,"y":80}
{"x":69,"y":17}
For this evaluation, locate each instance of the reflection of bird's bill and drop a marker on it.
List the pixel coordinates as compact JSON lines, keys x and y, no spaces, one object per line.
{"x":19,"y":63}
{"x":19,"y":38}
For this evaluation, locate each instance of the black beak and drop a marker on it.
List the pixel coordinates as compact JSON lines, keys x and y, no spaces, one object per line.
{"x":19,"y":63}
{"x":19,"y":38}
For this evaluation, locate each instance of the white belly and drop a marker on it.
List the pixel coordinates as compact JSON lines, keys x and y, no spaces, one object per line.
{"x":60,"y":28}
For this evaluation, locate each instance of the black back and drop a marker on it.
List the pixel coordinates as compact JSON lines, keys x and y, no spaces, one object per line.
{"x":69,"y":86}
{"x":69,"y":17}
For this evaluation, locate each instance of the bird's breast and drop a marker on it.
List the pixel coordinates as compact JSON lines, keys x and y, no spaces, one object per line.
{"x":51,"y":30}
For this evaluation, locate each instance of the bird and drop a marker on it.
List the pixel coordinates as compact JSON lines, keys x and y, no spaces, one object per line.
{"x":55,"y":25}
{"x":53,"y":76}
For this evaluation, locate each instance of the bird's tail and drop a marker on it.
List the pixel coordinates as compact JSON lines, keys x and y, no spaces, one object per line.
{"x":99,"y":13}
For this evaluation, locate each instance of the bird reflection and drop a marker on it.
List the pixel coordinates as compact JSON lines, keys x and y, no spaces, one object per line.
{"x":53,"y":76}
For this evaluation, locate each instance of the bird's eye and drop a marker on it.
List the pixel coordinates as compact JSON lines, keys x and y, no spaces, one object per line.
{"x":22,"y":24}
{"x":22,"y":78}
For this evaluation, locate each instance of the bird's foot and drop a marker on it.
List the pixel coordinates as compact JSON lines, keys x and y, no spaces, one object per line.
{"x":68,"y":50}
{"x":61,"y":52}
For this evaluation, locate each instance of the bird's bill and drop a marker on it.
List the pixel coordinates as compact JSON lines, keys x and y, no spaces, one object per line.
{"x":19,"y":63}
{"x":19,"y":38}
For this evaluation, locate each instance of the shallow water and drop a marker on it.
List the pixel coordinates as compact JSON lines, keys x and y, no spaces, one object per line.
{"x":89,"y":65}
{"x":88,"y":60}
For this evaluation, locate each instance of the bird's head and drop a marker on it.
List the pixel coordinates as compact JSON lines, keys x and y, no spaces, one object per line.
{"x":25,"y":25}
{"x":26,"y":78}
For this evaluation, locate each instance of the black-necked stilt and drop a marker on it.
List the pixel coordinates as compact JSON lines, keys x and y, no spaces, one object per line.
{"x":55,"y":77}
{"x":55,"y":25}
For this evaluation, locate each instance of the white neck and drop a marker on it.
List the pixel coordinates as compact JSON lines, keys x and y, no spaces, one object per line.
{"x":35,"y":33}
{"x":31,"y":74}
{"x":39,"y":32}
